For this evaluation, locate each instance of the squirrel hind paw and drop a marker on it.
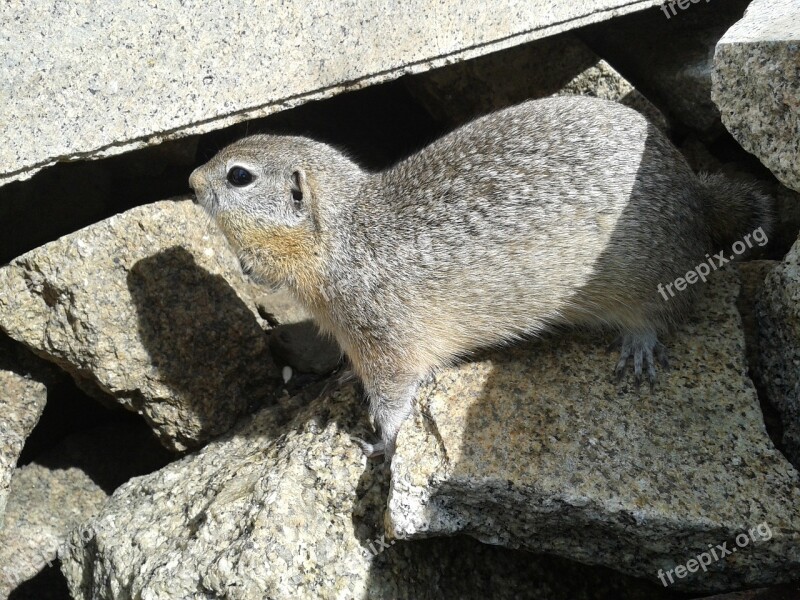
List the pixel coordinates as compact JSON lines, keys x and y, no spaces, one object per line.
{"x":646,"y":351}
{"x":371,"y":449}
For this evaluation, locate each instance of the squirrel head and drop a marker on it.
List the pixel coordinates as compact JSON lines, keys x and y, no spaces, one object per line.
{"x":276,"y":199}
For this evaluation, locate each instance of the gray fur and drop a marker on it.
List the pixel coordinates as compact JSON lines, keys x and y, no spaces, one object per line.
{"x":561,"y":211}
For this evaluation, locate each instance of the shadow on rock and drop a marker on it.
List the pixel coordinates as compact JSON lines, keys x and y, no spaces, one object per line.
{"x":49,"y":584}
{"x":206,"y":346}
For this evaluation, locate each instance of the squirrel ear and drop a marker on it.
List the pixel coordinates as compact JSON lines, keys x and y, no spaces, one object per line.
{"x":299,"y":187}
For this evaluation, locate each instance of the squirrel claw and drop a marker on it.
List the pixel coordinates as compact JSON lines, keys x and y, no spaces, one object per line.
{"x":370,"y":450}
{"x":646,"y":350}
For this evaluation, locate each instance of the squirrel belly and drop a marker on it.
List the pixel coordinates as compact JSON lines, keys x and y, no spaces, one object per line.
{"x":560,"y":211}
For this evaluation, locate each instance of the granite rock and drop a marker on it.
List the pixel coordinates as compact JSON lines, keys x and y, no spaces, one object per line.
{"x":752,"y":275}
{"x":787,"y":225}
{"x":536,"y":448}
{"x":561,"y":65}
{"x":302,"y":347}
{"x":44,"y":506}
{"x":778,"y":314}
{"x":67,"y":485}
{"x":22,"y":401}
{"x":785,"y":591}
{"x":277,"y":306}
{"x":669,"y":57}
{"x":286,"y":506}
{"x":148,"y":307}
{"x":86,"y":80}
{"x":757,"y":88}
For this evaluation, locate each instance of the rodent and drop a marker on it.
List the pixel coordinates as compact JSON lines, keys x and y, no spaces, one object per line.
{"x":560,"y":211}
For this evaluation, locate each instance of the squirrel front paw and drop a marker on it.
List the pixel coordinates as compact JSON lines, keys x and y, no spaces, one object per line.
{"x":646,"y":350}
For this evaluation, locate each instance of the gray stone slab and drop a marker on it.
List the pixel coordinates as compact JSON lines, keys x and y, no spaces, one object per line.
{"x":288,"y":507}
{"x":778,"y":314}
{"x":558,"y":65}
{"x":86,"y":80}
{"x":757,"y":88}
{"x":44,"y":505}
{"x":148,"y":307}
{"x":22,"y":401}
{"x":538,"y":448}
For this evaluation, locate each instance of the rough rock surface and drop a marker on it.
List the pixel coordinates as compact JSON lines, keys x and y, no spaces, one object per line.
{"x":286,"y":506}
{"x":44,"y":505}
{"x":536,"y":448}
{"x":778,"y":313}
{"x":302,"y":347}
{"x":277,"y":306}
{"x":559,"y":65}
{"x":146,"y":307}
{"x":82,"y":81}
{"x":787,"y":228}
{"x":65,"y":486}
{"x":677,"y":80}
{"x":785,"y":591}
{"x":756,"y":86}
{"x":752,"y":275}
{"x":22,"y":401}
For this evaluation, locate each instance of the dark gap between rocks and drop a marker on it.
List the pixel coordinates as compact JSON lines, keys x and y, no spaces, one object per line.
{"x":377,"y":126}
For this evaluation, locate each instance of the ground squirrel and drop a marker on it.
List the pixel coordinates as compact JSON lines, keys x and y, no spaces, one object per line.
{"x":560,"y":211}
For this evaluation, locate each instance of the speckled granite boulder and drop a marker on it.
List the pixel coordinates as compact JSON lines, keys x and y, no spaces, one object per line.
{"x":536,"y":448}
{"x":752,"y":274}
{"x":787,"y":208}
{"x":668,"y":57}
{"x":302,"y":347}
{"x":558,"y":65}
{"x":44,"y":505}
{"x":778,"y":313}
{"x":64,"y":486}
{"x":22,"y":401}
{"x":286,"y":506}
{"x":146,"y":307}
{"x":756,"y":85}
{"x":81,"y":82}
{"x":277,"y":306}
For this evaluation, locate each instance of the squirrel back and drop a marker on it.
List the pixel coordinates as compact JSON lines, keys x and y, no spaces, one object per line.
{"x":565,"y":210}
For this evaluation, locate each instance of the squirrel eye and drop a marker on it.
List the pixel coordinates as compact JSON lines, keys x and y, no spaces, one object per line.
{"x":239,"y":176}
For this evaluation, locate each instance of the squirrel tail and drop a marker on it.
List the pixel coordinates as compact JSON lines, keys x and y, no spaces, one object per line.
{"x":734,"y":208}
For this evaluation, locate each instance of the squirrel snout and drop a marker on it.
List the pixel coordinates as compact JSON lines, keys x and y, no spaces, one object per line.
{"x":203,"y":194}
{"x":196,"y":180}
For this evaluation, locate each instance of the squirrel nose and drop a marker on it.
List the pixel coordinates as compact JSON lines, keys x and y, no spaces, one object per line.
{"x":196,"y":179}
